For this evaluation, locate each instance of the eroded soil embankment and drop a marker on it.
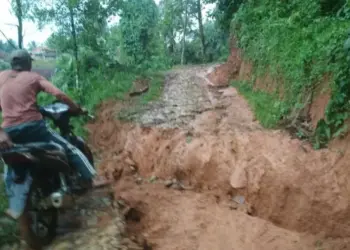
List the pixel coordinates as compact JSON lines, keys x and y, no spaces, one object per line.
{"x":207,"y":140}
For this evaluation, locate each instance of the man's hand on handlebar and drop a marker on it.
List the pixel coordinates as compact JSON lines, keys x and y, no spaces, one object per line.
{"x":78,"y":111}
{"x":84,"y":111}
{"x":87,"y":113}
{"x":81,"y":111}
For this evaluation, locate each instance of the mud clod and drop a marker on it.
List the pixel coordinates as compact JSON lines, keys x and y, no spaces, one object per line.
{"x":168,"y":183}
{"x":132,"y":214}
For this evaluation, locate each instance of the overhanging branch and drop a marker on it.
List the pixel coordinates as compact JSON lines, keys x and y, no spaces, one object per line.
{"x":8,"y":40}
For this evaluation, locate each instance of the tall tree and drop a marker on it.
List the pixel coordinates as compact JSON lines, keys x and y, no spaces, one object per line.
{"x":138,"y":27}
{"x":21,"y":9}
{"x":185,"y":24}
{"x":171,"y":11}
{"x":75,"y":43}
{"x":224,"y":11}
{"x":32,"y":45}
{"x":201,"y":29}
{"x":178,"y":17}
{"x":19,"y":15}
{"x":71,"y":20}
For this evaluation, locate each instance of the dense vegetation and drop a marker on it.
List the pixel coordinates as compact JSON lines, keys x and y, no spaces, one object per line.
{"x":299,"y":43}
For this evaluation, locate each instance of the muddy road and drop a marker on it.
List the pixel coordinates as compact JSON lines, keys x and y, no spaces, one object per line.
{"x":198,"y":172}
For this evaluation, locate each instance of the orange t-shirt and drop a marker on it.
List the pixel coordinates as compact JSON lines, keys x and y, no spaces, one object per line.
{"x":18,"y":92}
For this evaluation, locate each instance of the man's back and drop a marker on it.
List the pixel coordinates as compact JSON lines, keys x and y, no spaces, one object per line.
{"x":18,"y":91}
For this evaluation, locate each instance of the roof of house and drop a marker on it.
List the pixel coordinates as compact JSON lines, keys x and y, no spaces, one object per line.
{"x":42,"y":50}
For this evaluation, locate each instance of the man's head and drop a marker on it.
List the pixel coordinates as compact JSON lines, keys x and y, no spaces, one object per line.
{"x":21,"y":60}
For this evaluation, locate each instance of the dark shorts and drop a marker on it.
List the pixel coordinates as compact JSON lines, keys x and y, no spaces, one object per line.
{"x":38,"y":131}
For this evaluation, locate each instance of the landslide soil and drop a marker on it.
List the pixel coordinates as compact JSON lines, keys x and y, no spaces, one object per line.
{"x":196,"y":171}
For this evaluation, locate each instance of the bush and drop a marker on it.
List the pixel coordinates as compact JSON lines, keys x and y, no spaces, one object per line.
{"x":4,"y":65}
{"x":101,"y":82}
{"x":7,"y":235}
{"x":268,"y":109}
{"x":299,"y":42}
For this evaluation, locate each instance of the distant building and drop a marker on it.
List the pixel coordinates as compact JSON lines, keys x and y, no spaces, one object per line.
{"x":43,"y":53}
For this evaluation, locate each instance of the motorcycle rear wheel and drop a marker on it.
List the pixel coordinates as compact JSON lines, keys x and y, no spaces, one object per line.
{"x":37,"y":227}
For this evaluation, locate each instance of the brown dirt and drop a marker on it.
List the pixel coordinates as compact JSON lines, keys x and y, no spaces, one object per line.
{"x":223,"y":74}
{"x":322,"y":95}
{"x":96,"y":223}
{"x":242,"y":70}
{"x":207,"y":142}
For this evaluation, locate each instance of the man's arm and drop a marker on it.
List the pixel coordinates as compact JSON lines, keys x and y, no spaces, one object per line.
{"x":49,"y":88}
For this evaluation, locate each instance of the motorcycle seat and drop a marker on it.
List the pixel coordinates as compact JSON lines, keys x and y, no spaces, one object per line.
{"x":33,"y":147}
{"x":50,"y":155}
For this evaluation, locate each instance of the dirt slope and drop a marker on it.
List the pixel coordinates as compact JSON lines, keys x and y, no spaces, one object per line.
{"x":207,"y":140}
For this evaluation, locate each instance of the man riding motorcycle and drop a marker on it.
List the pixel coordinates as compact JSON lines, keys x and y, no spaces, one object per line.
{"x":23,"y":123}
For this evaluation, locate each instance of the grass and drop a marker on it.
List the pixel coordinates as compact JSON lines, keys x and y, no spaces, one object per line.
{"x":155,"y":90}
{"x":268,"y":109}
{"x":7,"y":235}
{"x":116,"y":87}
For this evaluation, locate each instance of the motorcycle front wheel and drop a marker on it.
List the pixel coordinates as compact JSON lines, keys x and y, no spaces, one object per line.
{"x":37,"y":226}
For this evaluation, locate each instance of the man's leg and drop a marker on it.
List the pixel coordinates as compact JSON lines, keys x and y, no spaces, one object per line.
{"x":40,"y":132}
{"x":16,"y":192}
{"x":75,"y":157}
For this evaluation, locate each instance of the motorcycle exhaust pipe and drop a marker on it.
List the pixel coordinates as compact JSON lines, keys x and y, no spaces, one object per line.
{"x":57,"y":199}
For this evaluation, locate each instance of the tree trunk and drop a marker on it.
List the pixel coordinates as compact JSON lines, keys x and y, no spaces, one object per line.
{"x":184,"y":34}
{"x":172,"y":43}
{"x":75,"y":45}
{"x":19,"y":15}
{"x":201,"y":29}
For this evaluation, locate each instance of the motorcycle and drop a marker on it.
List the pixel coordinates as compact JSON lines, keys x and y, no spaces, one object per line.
{"x":53,"y":183}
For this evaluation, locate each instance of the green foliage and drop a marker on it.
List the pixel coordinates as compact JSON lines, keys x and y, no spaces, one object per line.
{"x":98,"y":84}
{"x":171,"y":23}
{"x":299,"y":42}
{"x":172,"y":28}
{"x":224,"y":11}
{"x":4,"y":65}
{"x":216,"y":42}
{"x":139,"y":31}
{"x":7,"y":235}
{"x":268,"y":108}
{"x":60,"y":42}
{"x":7,"y":46}
{"x":32,"y":45}
{"x":155,"y":89}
